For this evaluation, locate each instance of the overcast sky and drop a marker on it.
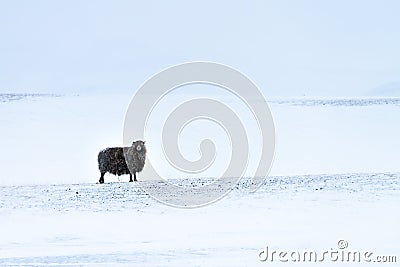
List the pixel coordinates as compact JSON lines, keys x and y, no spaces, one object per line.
{"x":312,"y":48}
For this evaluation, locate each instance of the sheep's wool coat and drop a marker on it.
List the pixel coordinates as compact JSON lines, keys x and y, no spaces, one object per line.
{"x":112,"y":159}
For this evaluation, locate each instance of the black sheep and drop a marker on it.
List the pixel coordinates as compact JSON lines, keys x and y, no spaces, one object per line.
{"x":112,"y":160}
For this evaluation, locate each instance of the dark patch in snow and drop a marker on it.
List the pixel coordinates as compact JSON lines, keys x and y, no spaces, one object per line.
{"x":130,"y":196}
{"x":346,"y":102}
{"x":10,"y":97}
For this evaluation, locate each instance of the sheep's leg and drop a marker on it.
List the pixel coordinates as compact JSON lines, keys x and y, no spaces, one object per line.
{"x":134,"y":176}
{"x":130,"y":177}
{"x":102,"y":178}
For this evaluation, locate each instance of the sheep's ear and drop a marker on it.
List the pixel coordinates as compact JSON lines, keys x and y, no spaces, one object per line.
{"x":144,"y":142}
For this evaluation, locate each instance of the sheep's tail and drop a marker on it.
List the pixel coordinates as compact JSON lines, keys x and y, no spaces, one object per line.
{"x":101,"y":158}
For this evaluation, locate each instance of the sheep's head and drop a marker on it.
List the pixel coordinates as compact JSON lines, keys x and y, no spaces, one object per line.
{"x":139,"y":146}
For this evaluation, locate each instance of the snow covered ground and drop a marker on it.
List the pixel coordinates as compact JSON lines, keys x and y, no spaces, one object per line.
{"x":335,"y":177}
{"x":118,"y":224}
{"x":57,"y":139}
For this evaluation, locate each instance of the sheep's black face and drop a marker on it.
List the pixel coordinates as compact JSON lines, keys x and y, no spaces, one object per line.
{"x":139,"y":145}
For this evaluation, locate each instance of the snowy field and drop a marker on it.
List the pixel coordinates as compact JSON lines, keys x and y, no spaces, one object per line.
{"x":118,"y":224}
{"x":336,"y":176}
